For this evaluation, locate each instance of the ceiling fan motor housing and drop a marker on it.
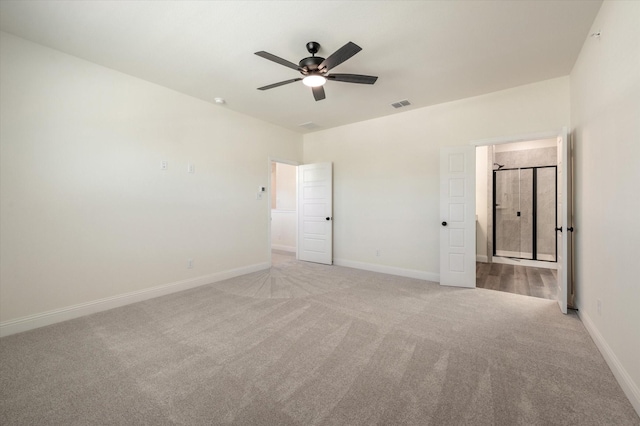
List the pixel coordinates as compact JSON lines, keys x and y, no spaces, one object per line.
{"x":311,"y":63}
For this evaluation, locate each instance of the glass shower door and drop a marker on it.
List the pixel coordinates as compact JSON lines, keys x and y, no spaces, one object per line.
{"x":513,"y":214}
{"x":546,"y":214}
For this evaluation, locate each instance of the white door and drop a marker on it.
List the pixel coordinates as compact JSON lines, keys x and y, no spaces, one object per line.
{"x":457,"y":216}
{"x":564,"y":226}
{"x":315,"y":221}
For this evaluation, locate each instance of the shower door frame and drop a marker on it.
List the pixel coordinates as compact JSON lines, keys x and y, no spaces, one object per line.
{"x":534,"y":208}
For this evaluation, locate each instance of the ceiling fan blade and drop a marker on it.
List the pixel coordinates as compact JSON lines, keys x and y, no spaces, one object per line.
{"x":318,"y":93}
{"x":282,"y":83}
{"x":353,"y":78}
{"x":339,"y":56}
{"x":278,"y":60}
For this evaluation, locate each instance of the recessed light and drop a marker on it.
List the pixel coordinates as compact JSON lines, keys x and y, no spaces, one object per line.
{"x":219,"y":101}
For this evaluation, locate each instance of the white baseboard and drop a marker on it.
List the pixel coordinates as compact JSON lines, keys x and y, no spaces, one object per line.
{"x":630,"y":388}
{"x":283,"y":248}
{"x":482,"y":258}
{"x":58,"y":315}
{"x":392,"y":270}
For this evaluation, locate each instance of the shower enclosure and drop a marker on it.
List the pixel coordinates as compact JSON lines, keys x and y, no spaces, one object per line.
{"x":525,"y":213}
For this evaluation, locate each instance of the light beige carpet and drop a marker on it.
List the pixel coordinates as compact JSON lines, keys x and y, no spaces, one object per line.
{"x":305,"y":344}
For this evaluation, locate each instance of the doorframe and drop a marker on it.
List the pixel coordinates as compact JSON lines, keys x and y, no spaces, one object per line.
{"x":268,"y":194}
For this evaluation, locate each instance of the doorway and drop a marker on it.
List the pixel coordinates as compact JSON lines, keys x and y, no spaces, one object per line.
{"x":521,"y":202}
{"x":301,"y":211}
{"x":283,"y":209}
{"x":494,"y":157}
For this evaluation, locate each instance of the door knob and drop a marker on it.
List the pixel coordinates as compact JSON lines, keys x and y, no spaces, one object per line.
{"x":559,"y":229}
{"x":328,"y":218}
{"x":444,"y":223}
{"x":570,"y":229}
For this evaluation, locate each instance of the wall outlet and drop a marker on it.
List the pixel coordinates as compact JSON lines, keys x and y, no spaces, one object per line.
{"x":164,"y":165}
{"x":189,"y":263}
{"x":191,"y":168}
{"x":377,"y":252}
{"x":599,"y":306}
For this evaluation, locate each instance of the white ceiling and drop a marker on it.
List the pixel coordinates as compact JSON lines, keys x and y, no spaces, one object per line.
{"x":426,"y":51}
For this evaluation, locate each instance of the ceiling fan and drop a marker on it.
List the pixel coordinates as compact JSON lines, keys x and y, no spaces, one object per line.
{"x":315,"y":70}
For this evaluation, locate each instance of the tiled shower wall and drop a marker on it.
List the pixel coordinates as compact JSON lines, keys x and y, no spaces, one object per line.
{"x":514,"y":234}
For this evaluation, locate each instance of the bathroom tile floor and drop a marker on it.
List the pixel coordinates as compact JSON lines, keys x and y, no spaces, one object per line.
{"x":525,"y":280}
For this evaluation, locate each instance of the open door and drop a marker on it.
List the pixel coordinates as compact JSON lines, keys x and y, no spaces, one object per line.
{"x":457,"y":215}
{"x":315,"y":221}
{"x":564,"y":226}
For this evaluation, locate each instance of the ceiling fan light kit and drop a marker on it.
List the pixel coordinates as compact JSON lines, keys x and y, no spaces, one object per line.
{"x":315,"y":69}
{"x":314,"y":80}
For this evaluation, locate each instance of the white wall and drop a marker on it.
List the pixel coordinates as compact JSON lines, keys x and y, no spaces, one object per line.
{"x":86,"y":211}
{"x":286,"y":187}
{"x":605,"y":113}
{"x":284,"y":216}
{"x":283,"y":230}
{"x":386,"y":170}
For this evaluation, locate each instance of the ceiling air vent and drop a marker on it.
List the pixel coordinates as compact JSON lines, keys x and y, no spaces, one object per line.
{"x":401,"y":104}
{"x":310,"y":125}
